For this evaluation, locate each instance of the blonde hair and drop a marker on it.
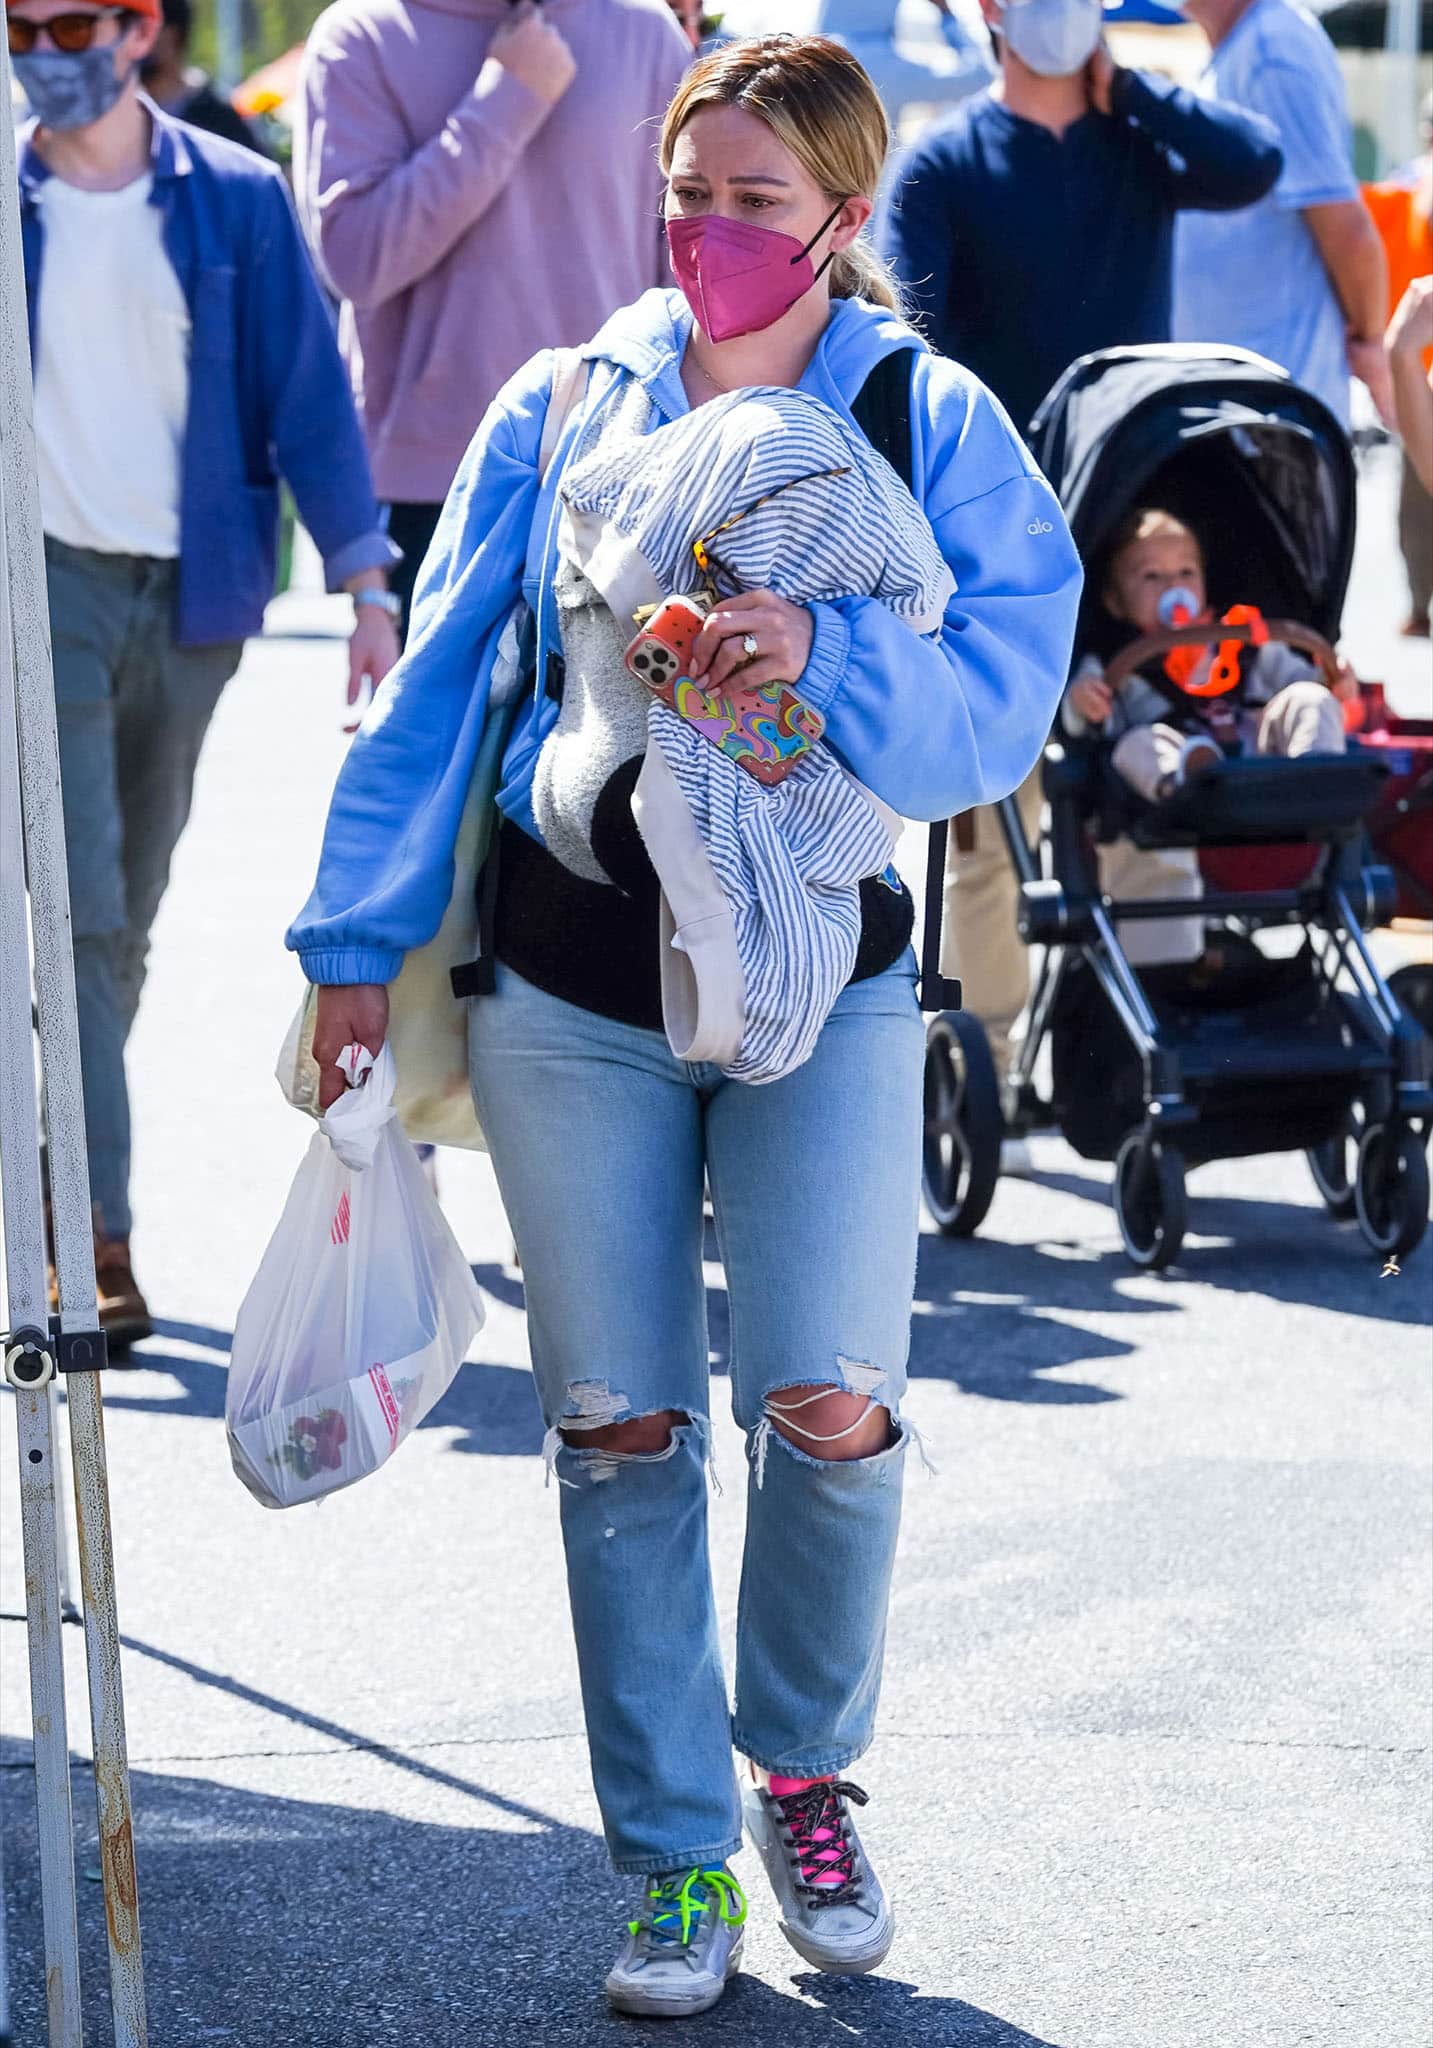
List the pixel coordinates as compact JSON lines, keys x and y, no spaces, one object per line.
{"x":818,"y":101}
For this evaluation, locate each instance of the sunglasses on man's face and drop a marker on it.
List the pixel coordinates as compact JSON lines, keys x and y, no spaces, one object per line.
{"x":68,"y":32}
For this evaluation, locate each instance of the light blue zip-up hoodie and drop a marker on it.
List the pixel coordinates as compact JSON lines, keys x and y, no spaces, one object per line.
{"x":933,"y":726}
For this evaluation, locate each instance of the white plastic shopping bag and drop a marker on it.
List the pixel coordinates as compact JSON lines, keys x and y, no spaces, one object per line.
{"x":361,"y":1310}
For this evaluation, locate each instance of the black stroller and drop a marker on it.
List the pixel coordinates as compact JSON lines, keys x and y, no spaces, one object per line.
{"x":1256,"y":1048}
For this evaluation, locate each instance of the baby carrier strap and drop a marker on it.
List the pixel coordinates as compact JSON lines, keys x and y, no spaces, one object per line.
{"x":882,"y":410}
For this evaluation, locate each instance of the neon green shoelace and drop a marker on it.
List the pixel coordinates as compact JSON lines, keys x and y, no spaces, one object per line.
{"x":677,"y":1906}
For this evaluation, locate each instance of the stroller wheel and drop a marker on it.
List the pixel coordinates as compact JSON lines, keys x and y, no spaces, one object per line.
{"x":1334,"y":1165}
{"x":1392,"y":1189}
{"x":1150,"y":1204}
{"x":960,"y":1161}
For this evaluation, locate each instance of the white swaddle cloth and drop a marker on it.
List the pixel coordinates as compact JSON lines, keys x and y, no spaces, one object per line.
{"x":761,"y":910}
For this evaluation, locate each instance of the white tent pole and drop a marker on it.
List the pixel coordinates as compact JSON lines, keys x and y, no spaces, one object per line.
{"x":27,"y":713}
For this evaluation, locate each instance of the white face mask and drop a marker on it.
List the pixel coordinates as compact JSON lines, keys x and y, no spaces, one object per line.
{"x":1053,"y":37}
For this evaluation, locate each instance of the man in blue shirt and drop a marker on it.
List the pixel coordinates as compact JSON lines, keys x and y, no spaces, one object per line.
{"x":1033,"y":224}
{"x":1036,"y":221}
{"x":184,"y":361}
{"x":1300,"y":276}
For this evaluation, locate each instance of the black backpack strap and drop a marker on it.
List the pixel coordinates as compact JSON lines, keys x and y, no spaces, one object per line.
{"x":882,"y":410}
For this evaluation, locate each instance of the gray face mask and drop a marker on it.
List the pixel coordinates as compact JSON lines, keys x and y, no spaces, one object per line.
{"x":71,"y":89}
{"x":1054,"y":37}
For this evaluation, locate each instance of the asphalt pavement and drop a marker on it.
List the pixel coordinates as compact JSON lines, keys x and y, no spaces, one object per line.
{"x":1153,"y":1766}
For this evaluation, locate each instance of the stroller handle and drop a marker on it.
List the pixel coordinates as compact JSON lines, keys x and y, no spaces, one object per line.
{"x":1150,"y":644}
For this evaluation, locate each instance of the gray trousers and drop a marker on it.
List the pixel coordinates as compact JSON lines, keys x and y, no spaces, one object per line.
{"x":132,"y":710}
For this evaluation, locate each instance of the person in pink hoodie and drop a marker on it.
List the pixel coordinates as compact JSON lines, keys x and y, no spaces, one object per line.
{"x":479,"y":181}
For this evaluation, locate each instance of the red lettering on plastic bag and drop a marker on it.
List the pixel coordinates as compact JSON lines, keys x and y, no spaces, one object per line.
{"x":386,"y":1400}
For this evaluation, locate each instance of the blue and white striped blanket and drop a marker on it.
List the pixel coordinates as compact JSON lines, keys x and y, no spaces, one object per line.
{"x":761,"y":916}
{"x":857,"y":533}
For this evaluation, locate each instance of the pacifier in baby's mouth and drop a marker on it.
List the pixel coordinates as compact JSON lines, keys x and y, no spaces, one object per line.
{"x":1178,"y":607}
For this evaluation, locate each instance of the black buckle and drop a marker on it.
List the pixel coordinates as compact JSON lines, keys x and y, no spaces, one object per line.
{"x":78,"y":1350}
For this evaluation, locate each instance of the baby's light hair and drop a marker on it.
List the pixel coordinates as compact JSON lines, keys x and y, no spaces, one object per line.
{"x":1149,"y":522}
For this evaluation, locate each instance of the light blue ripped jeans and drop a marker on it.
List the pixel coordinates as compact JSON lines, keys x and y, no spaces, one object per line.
{"x":602,"y":1141}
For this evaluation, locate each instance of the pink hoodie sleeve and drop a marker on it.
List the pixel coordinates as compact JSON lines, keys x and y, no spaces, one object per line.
{"x":379,"y":213}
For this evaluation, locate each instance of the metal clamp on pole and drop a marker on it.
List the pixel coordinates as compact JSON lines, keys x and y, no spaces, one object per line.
{"x":78,"y":1350}
{"x":29,"y":1361}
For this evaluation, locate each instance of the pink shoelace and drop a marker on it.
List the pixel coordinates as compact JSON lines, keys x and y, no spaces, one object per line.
{"x":815,"y":1819}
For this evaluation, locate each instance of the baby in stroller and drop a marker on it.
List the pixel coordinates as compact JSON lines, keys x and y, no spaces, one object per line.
{"x":1155,"y":577}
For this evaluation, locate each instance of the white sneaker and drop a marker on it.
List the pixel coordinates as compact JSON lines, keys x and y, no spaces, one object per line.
{"x":681,"y":1957}
{"x":833,"y":1911}
{"x":1017,"y":1161}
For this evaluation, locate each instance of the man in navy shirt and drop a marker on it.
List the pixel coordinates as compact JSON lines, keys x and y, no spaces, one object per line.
{"x":1029,"y":226}
{"x":1036,"y":221}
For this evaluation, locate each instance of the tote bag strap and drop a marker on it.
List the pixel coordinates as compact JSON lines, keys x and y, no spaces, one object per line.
{"x":570,"y":374}
{"x":569,"y":381}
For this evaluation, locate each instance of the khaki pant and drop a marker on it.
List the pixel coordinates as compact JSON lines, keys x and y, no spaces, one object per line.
{"x":979,"y":941}
{"x":1415,"y":538}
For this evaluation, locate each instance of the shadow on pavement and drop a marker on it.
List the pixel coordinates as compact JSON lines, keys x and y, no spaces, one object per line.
{"x":1284,"y":1251}
{"x":274,"y":1919}
{"x":990,"y":1317}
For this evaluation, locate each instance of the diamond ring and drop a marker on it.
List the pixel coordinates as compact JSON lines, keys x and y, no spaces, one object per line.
{"x":749,"y":647}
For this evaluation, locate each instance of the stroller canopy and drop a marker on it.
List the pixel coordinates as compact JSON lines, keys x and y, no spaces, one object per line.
{"x":1226,"y":441}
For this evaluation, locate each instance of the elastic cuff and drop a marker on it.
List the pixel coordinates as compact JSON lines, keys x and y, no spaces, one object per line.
{"x":370,"y":551}
{"x":830,"y":1765}
{"x":679,"y":1859}
{"x":830,"y":653}
{"x":348,"y":966}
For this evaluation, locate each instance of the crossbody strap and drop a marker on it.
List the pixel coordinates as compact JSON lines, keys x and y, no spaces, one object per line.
{"x":882,"y":410}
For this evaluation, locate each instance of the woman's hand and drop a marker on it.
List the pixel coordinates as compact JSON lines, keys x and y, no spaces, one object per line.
{"x":783,"y":634}
{"x":1410,"y":330}
{"x":1092,"y":697}
{"x":354,"y":1015}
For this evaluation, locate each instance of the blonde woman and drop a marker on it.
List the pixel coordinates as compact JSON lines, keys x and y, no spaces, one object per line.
{"x":600,"y":1137}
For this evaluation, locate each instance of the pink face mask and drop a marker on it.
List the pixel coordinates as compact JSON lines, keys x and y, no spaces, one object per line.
{"x":738,"y":277}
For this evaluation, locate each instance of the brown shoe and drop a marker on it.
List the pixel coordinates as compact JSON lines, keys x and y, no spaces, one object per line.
{"x":124,"y":1313}
{"x":1416,"y":626}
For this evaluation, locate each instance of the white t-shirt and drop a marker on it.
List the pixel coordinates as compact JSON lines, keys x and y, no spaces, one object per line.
{"x":112,"y":372}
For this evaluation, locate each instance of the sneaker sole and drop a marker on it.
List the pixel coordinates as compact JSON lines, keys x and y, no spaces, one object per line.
{"x":656,"y":2005}
{"x":854,"y":1963}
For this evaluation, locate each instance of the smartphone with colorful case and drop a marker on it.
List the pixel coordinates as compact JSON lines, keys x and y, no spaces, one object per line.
{"x":764,"y":728}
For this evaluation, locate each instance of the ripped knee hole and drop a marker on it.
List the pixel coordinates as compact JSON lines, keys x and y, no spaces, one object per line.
{"x":637,"y":1436}
{"x":834,"y":1423}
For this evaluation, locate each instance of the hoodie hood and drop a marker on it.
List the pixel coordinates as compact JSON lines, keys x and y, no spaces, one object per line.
{"x":649,"y":338}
